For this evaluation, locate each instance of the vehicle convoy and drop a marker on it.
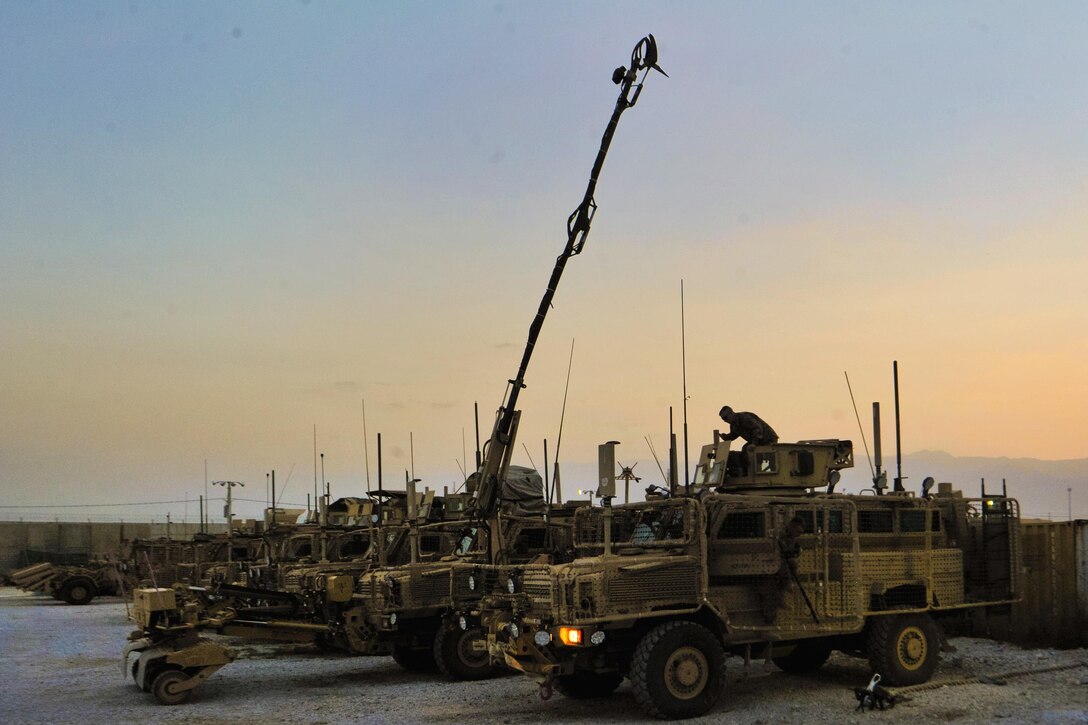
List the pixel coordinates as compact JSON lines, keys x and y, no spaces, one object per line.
{"x":337,"y":609}
{"x":758,"y":558}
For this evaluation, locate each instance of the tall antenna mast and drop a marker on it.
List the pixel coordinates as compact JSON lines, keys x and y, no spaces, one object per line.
{"x":366,"y":449}
{"x":898,"y":448}
{"x":476,"y":415}
{"x":684,"y":365}
{"x":315,"y":464}
{"x":860,"y":427}
{"x":557,"y":484}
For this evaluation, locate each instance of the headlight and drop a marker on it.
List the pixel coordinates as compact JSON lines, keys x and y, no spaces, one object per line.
{"x":542,"y":637}
{"x":471,"y":583}
{"x":393,"y":618}
{"x":510,"y":585}
{"x":514,"y":630}
{"x":570,"y":636}
{"x":462,"y":623}
{"x":597,"y":637}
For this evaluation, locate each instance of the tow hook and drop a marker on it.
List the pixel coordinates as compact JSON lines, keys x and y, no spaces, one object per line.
{"x":547,"y":689}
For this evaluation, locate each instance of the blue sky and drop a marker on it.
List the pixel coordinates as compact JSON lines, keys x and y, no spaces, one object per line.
{"x":221,"y":224}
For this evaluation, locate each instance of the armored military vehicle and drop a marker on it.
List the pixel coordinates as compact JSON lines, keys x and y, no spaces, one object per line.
{"x":755,"y":558}
{"x":141,"y":560}
{"x":424,"y":610}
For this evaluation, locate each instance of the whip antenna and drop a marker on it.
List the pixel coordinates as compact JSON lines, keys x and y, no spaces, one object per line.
{"x":860,"y":428}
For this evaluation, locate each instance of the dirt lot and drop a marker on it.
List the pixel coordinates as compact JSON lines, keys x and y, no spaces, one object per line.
{"x":61,"y":664}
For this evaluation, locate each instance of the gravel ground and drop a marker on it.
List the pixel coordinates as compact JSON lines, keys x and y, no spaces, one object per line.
{"x":61,"y":664}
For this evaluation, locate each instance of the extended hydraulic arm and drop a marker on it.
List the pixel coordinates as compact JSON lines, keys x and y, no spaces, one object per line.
{"x":496,"y":456}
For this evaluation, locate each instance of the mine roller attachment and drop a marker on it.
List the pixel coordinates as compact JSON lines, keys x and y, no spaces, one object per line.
{"x":171,"y":669}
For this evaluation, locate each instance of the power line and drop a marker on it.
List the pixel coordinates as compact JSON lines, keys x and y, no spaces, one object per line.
{"x":104,"y":505}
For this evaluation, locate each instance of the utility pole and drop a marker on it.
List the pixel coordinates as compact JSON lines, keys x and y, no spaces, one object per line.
{"x":229,"y":513}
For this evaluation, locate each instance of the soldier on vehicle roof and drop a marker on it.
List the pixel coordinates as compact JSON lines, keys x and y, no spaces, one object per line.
{"x":748,"y":426}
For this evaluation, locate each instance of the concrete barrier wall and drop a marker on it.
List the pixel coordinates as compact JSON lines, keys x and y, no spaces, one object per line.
{"x":68,"y":539}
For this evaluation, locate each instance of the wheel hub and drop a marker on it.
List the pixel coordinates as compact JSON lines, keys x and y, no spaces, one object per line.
{"x":686,"y":673}
{"x":912,"y":648}
{"x":470,"y":654}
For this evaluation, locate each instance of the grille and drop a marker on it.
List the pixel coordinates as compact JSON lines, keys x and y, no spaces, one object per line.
{"x":666,"y":584}
{"x":539,"y":586}
{"x":428,"y":589}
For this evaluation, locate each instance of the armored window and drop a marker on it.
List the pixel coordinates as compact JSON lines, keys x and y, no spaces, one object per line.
{"x":240,"y":552}
{"x":935,"y":521}
{"x":353,"y":547}
{"x":875,"y":522}
{"x":300,"y":549}
{"x":808,"y":517}
{"x":766,"y":463}
{"x":803,"y":463}
{"x":717,"y":473}
{"x":430,"y":543}
{"x":700,"y":475}
{"x":744,"y":525}
{"x":833,"y":521}
{"x":911,"y":522}
{"x":530,"y":540}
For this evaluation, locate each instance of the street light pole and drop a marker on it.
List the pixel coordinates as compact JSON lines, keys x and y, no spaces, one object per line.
{"x":229,"y":485}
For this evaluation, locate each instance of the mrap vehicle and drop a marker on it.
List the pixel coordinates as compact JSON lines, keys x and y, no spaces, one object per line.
{"x":753,"y":559}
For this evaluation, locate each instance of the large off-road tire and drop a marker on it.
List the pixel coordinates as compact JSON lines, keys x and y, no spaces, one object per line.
{"x":164,"y":687}
{"x":807,"y":656}
{"x":457,"y":658}
{"x":903,"y":648}
{"x":414,"y":660}
{"x":678,"y":670}
{"x":584,"y":685}
{"x":78,"y":590}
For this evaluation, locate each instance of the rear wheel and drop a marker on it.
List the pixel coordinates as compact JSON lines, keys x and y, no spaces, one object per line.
{"x":904,"y":649}
{"x":166,"y":690}
{"x":461,"y":654}
{"x":80,"y":590}
{"x":414,"y":660}
{"x":678,"y":670}
{"x":807,"y":656}
{"x":584,"y":685}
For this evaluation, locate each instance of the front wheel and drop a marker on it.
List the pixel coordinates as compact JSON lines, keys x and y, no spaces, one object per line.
{"x":80,"y":590}
{"x":678,"y":670}
{"x":461,"y":654}
{"x":904,"y":649}
{"x":166,"y":689}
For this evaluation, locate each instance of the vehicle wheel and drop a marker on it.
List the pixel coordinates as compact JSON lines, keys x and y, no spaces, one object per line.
{"x":164,"y":688}
{"x":678,"y":670}
{"x":904,"y":649}
{"x":78,"y":591}
{"x":457,"y":655}
{"x":584,"y":685}
{"x":807,"y":656}
{"x":414,"y":660}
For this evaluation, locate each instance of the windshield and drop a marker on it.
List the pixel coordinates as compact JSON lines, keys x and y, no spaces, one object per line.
{"x":650,"y":524}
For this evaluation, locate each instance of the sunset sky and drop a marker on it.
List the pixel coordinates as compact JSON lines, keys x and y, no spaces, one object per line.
{"x":222,"y":224}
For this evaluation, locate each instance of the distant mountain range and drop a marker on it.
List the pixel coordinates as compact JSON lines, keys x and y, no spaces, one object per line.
{"x":1042,"y":487}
